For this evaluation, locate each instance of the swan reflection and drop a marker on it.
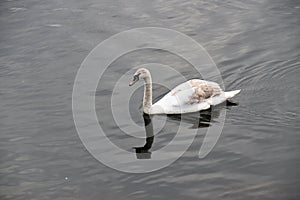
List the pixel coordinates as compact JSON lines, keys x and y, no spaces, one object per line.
{"x":202,"y":119}
{"x":143,"y":152}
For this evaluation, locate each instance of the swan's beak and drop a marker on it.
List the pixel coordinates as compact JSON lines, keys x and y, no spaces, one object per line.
{"x":134,"y":80}
{"x":132,"y":83}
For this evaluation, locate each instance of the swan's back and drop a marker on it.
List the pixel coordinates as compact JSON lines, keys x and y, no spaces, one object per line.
{"x":191,"y":96}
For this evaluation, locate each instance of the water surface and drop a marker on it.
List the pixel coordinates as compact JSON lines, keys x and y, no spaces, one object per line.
{"x":255,"y":45}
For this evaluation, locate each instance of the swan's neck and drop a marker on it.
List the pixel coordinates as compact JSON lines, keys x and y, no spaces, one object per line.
{"x":147,"y":101}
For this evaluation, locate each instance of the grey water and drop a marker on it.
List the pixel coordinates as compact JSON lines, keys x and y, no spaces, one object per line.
{"x":256,"y":46}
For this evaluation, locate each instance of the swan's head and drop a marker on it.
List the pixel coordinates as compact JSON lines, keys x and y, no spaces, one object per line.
{"x":141,"y":73}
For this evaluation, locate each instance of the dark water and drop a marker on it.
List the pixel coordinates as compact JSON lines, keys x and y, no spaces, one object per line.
{"x":255,"y":45}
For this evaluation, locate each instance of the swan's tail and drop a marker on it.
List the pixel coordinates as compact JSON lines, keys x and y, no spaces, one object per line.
{"x":230,"y":94}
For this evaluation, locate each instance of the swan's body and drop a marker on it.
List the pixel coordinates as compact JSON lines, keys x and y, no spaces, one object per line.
{"x":191,"y":96}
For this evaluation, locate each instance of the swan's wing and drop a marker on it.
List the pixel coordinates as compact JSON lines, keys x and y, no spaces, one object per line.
{"x":194,"y":91}
{"x":205,"y":89}
{"x":190,"y":96}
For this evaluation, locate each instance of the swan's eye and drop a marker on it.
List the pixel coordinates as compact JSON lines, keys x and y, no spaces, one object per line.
{"x":136,"y":77}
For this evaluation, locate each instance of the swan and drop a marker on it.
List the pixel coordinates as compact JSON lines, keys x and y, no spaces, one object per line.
{"x":191,"y":96}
